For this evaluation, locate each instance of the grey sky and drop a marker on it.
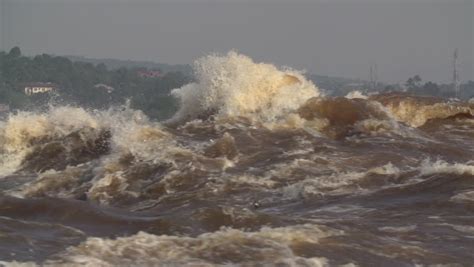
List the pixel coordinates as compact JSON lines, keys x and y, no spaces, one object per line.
{"x":337,"y":37}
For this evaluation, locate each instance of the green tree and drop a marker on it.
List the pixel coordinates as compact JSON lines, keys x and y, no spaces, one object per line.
{"x":413,"y":83}
{"x":77,"y":80}
{"x":15,"y":52}
{"x":430,"y":88}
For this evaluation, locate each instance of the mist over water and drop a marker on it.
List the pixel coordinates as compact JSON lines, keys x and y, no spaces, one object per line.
{"x":256,"y":167}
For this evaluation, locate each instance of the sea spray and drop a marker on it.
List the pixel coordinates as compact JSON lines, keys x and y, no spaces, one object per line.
{"x":260,"y":169}
{"x":234,"y":85}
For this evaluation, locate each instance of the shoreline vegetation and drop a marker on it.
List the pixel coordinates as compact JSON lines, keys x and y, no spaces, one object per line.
{"x":100,"y":83}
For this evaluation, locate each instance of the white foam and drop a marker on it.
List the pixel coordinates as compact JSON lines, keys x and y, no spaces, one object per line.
{"x":19,"y":131}
{"x":356,"y":94}
{"x":337,"y":183}
{"x":132,"y":136}
{"x":233,"y":85}
{"x":18,"y":264}
{"x":268,"y":246}
{"x":468,"y":229}
{"x":463,"y":197}
{"x":428,"y":167}
{"x":416,"y":114}
{"x":52,"y":183}
{"x":398,"y":229}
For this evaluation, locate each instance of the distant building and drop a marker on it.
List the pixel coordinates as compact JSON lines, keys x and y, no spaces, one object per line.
{"x":106,"y":87}
{"x":150,"y":73}
{"x":39,"y":88}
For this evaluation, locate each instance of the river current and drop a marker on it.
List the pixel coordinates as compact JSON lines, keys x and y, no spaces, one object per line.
{"x":257,"y":168}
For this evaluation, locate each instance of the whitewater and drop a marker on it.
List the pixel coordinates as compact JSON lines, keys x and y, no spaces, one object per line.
{"x":257,"y":168}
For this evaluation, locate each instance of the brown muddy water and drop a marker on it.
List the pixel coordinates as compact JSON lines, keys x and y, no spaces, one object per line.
{"x":257,"y":168}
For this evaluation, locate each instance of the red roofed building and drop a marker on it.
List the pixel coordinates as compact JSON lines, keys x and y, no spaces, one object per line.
{"x":150,"y":73}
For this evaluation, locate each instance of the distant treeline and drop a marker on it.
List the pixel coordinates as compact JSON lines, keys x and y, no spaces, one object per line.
{"x":77,"y":83}
{"x":414,"y":85}
{"x":113,"y":64}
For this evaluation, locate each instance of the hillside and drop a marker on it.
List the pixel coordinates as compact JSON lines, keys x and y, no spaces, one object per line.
{"x":114,"y":64}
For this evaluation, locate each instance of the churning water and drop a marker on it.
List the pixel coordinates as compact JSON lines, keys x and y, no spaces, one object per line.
{"x":256,"y":168}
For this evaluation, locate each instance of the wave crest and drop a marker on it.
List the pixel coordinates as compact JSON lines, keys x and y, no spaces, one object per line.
{"x":417,"y":110}
{"x":235,"y":86}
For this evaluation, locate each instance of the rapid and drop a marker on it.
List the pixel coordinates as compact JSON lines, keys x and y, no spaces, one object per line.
{"x":257,"y":168}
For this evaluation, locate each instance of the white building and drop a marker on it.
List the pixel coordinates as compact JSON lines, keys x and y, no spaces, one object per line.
{"x":39,"y":88}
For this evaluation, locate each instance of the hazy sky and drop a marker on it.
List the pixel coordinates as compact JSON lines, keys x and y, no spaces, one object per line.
{"x":331,"y":37}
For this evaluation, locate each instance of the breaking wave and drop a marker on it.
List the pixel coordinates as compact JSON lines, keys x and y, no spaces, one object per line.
{"x":416,"y":111}
{"x":25,"y":134}
{"x":235,"y":86}
{"x":257,"y":166}
{"x":226,"y":246}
